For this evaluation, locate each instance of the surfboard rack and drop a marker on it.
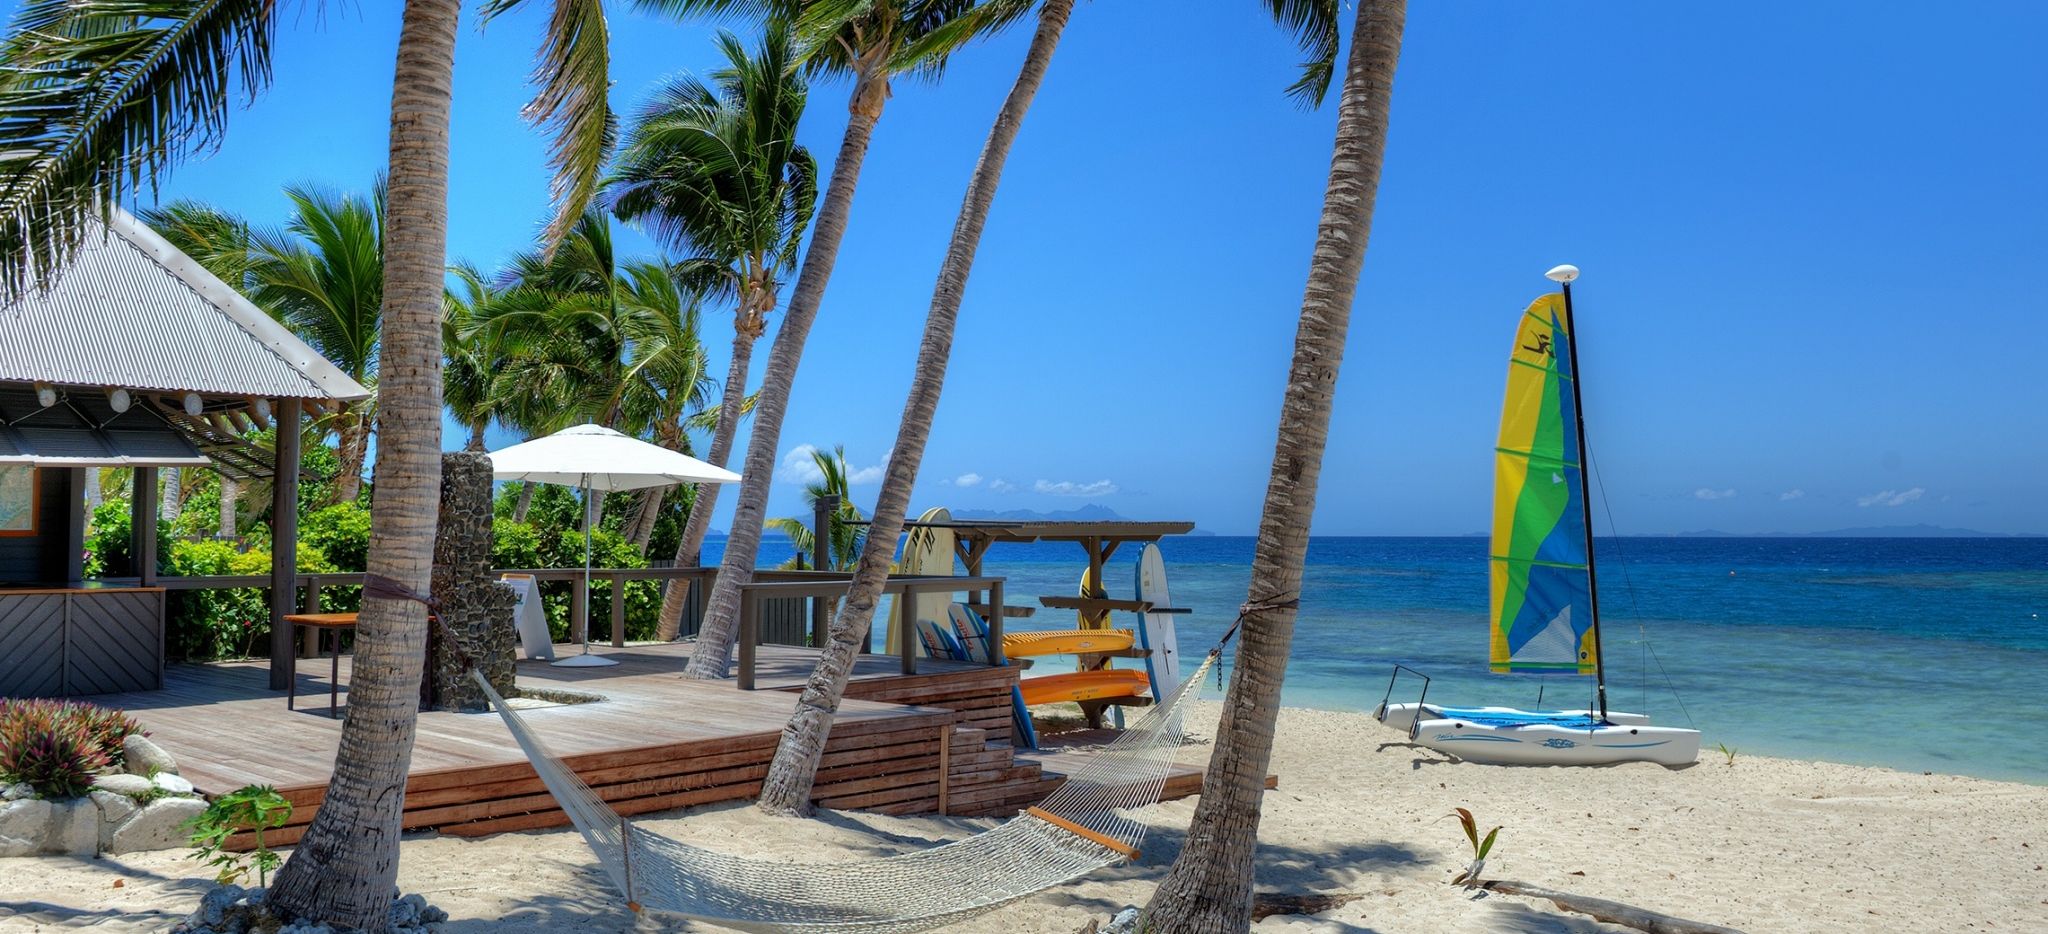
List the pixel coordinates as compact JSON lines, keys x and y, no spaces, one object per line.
{"x":1095,"y":604}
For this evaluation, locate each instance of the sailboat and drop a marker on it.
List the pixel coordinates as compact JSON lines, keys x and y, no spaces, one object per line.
{"x":1545,"y":609}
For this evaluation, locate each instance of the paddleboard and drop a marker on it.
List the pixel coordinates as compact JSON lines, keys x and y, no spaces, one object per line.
{"x":1066,"y":642}
{"x":1155,"y":631}
{"x":1084,"y":685}
{"x":927,"y":552}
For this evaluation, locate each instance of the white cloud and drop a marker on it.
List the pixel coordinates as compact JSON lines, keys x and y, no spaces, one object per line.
{"x":1070,"y":488}
{"x":966,"y":479}
{"x":1891,"y":497}
{"x":1000,"y":485}
{"x":799,"y":468}
{"x":1707,"y":494}
{"x":1790,"y":495}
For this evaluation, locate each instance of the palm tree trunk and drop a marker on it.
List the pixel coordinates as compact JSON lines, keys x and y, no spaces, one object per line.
{"x":712,"y":656}
{"x":1209,"y":888}
{"x":230,"y":494}
{"x":691,"y":548}
{"x":354,"y":449}
{"x":645,"y":512}
{"x":525,"y":503}
{"x":173,"y":495}
{"x":476,"y":437}
{"x":344,"y":870}
{"x":787,"y":789}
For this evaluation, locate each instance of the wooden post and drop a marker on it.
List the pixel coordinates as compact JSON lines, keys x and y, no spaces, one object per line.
{"x":821,"y":558}
{"x":750,"y":626}
{"x":906,"y":617}
{"x":142,"y":523}
{"x":579,"y":611}
{"x":75,"y":518}
{"x":618,"y":611}
{"x":995,"y":622}
{"x":284,"y":544}
{"x":945,"y":766}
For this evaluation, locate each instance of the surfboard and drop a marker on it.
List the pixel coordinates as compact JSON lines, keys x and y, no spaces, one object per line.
{"x":1155,"y":631}
{"x":1084,"y":685}
{"x":1066,"y":642}
{"x":927,"y":552}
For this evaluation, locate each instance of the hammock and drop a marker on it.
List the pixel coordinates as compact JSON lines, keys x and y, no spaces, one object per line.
{"x":1078,"y":829}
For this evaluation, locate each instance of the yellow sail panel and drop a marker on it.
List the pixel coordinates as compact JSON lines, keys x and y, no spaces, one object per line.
{"x":1541,"y":593}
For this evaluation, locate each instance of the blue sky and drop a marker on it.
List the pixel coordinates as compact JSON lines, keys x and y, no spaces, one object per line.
{"x":1813,"y":241}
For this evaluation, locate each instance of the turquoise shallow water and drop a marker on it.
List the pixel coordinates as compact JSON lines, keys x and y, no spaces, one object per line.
{"x":1917,"y":654}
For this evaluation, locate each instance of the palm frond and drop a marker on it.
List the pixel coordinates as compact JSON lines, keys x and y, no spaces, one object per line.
{"x":572,"y":105}
{"x":1314,"y":25}
{"x":99,"y":99}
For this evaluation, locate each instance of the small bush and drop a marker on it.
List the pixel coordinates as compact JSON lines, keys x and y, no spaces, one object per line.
{"x":57,"y":747}
{"x":253,"y":808}
{"x":204,"y":625}
{"x":341,"y":532}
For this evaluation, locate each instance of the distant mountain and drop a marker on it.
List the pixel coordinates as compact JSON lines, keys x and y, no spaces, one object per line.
{"x":1092,"y":512}
{"x":1922,"y":530}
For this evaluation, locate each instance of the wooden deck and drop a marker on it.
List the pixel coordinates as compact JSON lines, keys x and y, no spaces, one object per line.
{"x":654,"y":742}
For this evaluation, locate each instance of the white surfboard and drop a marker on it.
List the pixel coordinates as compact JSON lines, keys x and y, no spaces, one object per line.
{"x":927,"y":552}
{"x":1155,"y":631}
{"x":529,"y":618}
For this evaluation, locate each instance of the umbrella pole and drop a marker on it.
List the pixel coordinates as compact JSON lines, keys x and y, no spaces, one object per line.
{"x":584,"y":659}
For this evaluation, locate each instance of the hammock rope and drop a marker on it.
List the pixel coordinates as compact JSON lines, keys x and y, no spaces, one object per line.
{"x":1081,"y":827}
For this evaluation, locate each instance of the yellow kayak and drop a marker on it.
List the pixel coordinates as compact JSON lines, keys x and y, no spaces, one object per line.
{"x":1066,"y":642}
{"x":1084,"y":685}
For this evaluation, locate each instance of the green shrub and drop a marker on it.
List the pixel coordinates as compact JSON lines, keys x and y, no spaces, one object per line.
{"x":341,"y":533}
{"x":252,"y":808}
{"x":204,"y":625}
{"x":58,"y":746}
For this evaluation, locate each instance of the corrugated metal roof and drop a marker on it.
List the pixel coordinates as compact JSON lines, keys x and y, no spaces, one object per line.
{"x":132,"y":311}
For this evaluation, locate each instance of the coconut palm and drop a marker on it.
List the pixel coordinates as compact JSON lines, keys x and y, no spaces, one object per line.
{"x":1209,"y":887}
{"x":714,"y":171}
{"x":848,"y":529}
{"x":871,"y":42}
{"x":470,"y":359}
{"x":667,"y":381}
{"x":788,"y":784}
{"x":323,"y":276}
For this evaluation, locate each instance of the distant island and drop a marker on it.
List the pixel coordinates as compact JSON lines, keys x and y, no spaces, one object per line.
{"x":1922,"y":530}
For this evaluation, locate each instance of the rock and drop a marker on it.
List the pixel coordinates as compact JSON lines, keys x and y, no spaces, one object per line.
{"x":130,"y":785}
{"x":114,"y":808}
{"x":172,"y":783}
{"x":17,"y":791}
{"x":160,"y":825}
{"x":142,"y":757}
{"x":1124,"y":922}
{"x":433,"y":915}
{"x":23,"y":826}
{"x":74,"y":828}
{"x":405,"y":912}
{"x":213,"y":906}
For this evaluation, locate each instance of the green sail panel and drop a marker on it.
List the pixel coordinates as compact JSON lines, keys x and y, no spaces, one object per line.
{"x":1542,"y":600}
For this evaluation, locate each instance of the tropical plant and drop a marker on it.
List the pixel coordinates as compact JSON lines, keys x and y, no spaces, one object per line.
{"x":715,"y":173}
{"x":870,"y":42}
{"x":470,"y":357}
{"x":250,"y":809}
{"x":57,"y":747}
{"x":1209,"y":888}
{"x":1469,"y":876}
{"x":1728,"y":752}
{"x":848,"y":527}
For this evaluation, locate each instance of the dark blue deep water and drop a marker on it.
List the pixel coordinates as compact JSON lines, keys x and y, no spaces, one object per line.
{"x":1919,"y":654}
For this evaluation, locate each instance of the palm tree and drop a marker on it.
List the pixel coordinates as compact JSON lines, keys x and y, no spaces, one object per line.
{"x":667,"y":381}
{"x":1209,"y":887}
{"x":847,"y":531}
{"x":323,"y":276}
{"x":871,"y":42}
{"x":345,"y":868}
{"x":788,"y":785}
{"x":715,"y":172}
{"x":470,"y":359}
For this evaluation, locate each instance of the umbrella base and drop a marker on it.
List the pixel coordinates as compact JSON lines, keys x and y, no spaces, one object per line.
{"x":582,"y":661}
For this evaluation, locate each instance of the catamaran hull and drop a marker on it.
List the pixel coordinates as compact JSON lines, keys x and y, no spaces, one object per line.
{"x":1402,"y":716}
{"x":1544,"y":744}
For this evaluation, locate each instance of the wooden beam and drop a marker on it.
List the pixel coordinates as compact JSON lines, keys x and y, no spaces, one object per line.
{"x":142,"y":505}
{"x":284,"y":544}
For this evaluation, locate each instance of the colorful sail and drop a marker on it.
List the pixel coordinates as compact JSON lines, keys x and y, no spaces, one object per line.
{"x":1542,"y":593}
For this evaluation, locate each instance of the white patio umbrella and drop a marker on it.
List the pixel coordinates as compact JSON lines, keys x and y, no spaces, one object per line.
{"x":593,"y":457}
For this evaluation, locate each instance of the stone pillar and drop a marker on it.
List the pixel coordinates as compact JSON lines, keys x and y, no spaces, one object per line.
{"x":477,"y":609}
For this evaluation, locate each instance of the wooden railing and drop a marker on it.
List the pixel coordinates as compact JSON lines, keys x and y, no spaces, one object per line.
{"x":826,"y":587}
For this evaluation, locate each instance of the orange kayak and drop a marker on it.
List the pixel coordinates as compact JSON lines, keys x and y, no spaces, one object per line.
{"x":1067,"y":642}
{"x":1084,"y":685}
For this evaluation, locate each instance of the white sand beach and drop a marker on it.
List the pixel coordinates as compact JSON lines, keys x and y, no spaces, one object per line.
{"x":1762,"y":845}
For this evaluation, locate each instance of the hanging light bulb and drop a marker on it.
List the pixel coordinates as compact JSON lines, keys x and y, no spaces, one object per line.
{"x":192,"y":404}
{"x":262,"y":407}
{"x":46,"y":395}
{"x":119,"y":400}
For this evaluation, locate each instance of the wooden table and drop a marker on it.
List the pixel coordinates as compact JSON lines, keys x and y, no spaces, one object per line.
{"x":336,"y":623}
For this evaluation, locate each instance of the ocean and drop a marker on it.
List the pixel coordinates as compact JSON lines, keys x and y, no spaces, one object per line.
{"x":1922,"y":654}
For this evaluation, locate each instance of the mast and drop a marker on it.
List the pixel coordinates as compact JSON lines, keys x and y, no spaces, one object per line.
{"x":1563,"y":275}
